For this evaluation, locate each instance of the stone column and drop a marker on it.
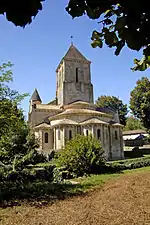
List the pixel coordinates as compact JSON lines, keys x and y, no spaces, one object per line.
{"x":110,"y":141}
{"x":54,"y":138}
{"x":63,"y":137}
{"x":93,"y":130}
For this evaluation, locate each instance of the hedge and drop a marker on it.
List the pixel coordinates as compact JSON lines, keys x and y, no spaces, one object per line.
{"x":127,"y":164}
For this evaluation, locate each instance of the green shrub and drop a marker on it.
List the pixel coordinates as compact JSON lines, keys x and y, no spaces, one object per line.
{"x":126,"y":164}
{"x":81,"y":155}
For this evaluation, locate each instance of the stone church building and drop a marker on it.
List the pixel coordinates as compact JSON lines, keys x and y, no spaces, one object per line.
{"x":73,"y":111}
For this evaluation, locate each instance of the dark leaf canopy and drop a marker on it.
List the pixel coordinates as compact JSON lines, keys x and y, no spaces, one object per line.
{"x":20,"y":12}
{"x":124,"y":23}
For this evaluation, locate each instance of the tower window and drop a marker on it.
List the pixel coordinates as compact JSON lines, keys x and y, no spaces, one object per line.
{"x":87,"y":132}
{"x":70,"y":134}
{"x":116,"y":135}
{"x":58,"y":134}
{"x":46,"y":137}
{"x":34,"y":106}
{"x":98,"y":134}
{"x":77,"y":73}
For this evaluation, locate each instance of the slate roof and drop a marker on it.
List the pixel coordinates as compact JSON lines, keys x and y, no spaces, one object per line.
{"x":35,"y":96}
{"x":105,"y":110}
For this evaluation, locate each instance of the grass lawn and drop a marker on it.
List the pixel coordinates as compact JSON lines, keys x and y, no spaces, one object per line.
{"x":96,"y":181}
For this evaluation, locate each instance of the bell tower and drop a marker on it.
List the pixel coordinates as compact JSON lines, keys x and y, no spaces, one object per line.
{"x":74,"y":78}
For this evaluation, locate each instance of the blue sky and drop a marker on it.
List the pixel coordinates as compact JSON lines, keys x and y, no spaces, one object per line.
{"x":36,"y":51}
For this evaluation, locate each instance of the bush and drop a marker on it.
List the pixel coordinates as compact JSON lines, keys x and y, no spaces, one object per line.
{"x":81,"y":155}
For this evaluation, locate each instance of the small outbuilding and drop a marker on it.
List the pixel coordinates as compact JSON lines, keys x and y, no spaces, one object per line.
{"x":135,"y":137}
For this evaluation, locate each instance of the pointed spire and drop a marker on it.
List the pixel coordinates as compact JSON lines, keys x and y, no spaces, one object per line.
{"x":35,"y":96}
{"x":73,"y":53}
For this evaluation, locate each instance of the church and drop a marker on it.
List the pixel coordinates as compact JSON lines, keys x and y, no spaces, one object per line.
{"x":73,"y":111}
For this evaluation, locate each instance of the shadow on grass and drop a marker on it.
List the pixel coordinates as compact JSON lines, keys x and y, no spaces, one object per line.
{"x":39,"y":193}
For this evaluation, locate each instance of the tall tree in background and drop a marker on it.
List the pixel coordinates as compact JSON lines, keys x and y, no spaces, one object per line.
{"x":140,"y":101}
{"x":115,"y":104}
{"x":133,"y":123}
{"x":123,"y":23}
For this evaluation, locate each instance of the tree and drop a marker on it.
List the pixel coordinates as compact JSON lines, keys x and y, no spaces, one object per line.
{"x":140,"y":101}
{"x":133,"y":123}
{"x":11,"y":117}
{"x":20,"y":12}
{"x":115,"y":104}
{"x":124,"y":23}
{"x":15,"y":141}
{"x":82,"y":154}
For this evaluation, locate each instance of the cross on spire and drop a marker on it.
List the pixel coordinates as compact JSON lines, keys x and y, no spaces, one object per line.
{"x":71,"y":39}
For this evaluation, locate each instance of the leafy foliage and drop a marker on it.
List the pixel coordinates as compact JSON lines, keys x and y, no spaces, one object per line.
{"x":81,"y":155}
{"x":11,"y":117}
{"x":133,"y":123}
{"x":20,"y":12}
{"x":114,"y":103}
{"x":124,"y":23}
{"x":20,"y":162}
{"x":140,"y":101}
{"x":17,"y":147}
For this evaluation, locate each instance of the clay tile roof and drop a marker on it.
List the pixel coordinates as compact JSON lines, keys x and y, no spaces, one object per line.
{"x":42,"y":125}
{"x":80,"y":111}
{"x":63,"y":122}
{"x":128,"y":132}
{"x":93,"y":121}
{"x":35,"y":96}
{"x":117,"y":124}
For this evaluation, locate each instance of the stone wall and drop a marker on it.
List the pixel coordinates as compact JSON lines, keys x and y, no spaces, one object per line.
{"x":74,"y":82}
{"x":37,"y":116}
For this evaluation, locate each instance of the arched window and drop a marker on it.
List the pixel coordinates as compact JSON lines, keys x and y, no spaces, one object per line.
{"x":70,"y":134}
{"x":46,"y":137}
{"x":87,"y":132}
{"x":98,"y":134}
{"x":116,"y":135}
{"x":58,"y":134}
{"x":78,"y":129}
{"x":77,"y":78}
